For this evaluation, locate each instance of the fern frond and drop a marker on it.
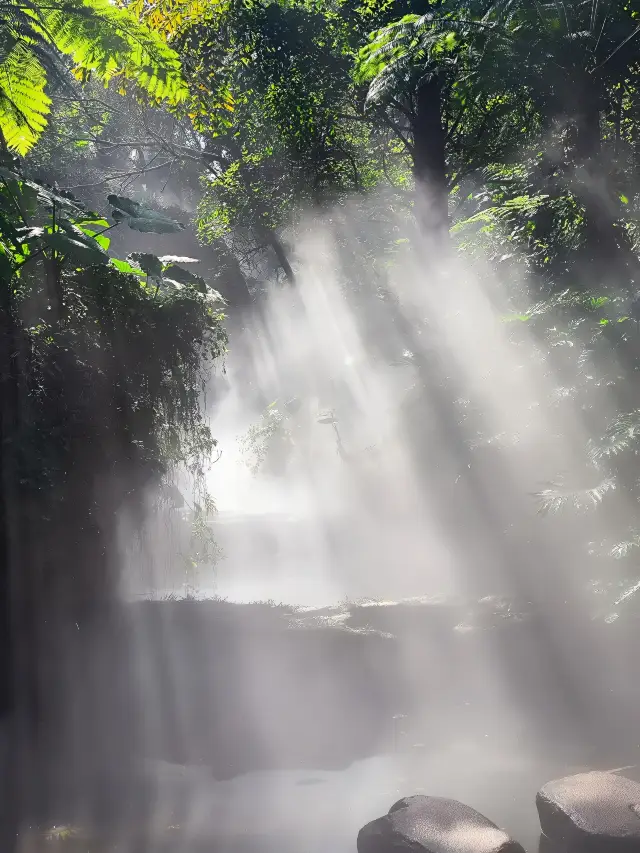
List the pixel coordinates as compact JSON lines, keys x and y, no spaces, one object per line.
{"x":24,"y":104}
{"x":622,"y":549}
{"x":556,"y":497}
{"x":108,"y":41}
{"x":623,"y":434}
{"x":523,"y":205}
{"x":411,"y":43}
{"x":102,"y":39}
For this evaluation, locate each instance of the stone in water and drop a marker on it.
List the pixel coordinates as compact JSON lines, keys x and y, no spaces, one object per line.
{"x":422,"y":824}
{"x":591,"y":812}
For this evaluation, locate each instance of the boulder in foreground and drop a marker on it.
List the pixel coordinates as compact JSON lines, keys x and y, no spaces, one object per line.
{"x":591,"y":812}
{"x":434,"y":825}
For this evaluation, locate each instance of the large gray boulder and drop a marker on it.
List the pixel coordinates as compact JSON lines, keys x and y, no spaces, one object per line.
{"x":591,"y":812}
{"x":434,"y":825}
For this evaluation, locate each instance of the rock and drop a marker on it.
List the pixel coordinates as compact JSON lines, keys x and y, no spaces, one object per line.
{"x":591,"y":812}
{"x":434,"y":825}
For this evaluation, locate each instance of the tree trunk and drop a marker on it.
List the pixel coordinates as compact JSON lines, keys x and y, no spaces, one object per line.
{"x":608,"y":250}
{"x":10,"y":810}
{"x":272,"y":240}
{"x":429,"y":161}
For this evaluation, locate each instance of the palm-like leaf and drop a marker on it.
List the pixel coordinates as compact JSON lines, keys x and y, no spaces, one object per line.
{"x":24,"y":104}
{"x":512,"y":44}
{"x":557,"y":497}
{"x":621,"y":435}
{"x":405,"y":49}
{"x":100,"y":38}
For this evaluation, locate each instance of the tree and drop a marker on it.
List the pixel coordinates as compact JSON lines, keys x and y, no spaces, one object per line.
{"x":526,"y":69}
{"x":102,"y":365}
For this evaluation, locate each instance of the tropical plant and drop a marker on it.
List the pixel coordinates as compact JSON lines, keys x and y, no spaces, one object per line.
{"x":102,"y":376}
{"x":40,"y":45}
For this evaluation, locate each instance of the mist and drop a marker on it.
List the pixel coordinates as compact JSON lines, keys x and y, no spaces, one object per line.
{"x":319,"y":358}
{"x":424,"y":628}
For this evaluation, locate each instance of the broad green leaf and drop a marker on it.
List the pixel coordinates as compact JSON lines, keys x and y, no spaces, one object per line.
{"x":148,"y":263}
{"x":74,"y":249}
{"x":91,"y":219}
{"x":141,"y":218}
{"x":127,"y":205}
{"x":83,"y":235}
{"x":101,"y":240}
{"x":125,"y":267}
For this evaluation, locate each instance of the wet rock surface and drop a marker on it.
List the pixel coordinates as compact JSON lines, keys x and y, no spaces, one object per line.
{"x":591,"y":813}
{"x":434,"y":825}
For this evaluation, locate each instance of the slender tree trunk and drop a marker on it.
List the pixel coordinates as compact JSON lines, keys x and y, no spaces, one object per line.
{"x":429,"y":161}
{"x":608,"y":250}
{"x":275,"y":243}
{"x":9,"y":503}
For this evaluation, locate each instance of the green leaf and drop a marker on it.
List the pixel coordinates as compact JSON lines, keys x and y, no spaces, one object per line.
{"x":125,"y":267}
{"x":141,"y":218}
{"x":101,"y":240}
{"x":148,"y":263}
{"x":6,"y":268}
{"x":83,"y":235}
{"x":24,"y":104}
{"x":124,"y":204}
{"x":75,"y":249}
{"x":91,"y":218}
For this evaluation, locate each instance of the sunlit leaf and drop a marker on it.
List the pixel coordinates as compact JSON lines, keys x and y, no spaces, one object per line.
{"x":74,"y":249}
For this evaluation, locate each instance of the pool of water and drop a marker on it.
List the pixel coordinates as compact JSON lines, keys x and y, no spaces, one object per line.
{"x":320,"y":811}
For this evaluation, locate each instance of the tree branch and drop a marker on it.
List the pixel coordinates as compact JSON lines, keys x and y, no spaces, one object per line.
{"x":121,"y":176}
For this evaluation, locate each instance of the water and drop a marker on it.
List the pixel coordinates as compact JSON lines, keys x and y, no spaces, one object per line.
{"x":312,"y":811}
{"x":315,"y":810}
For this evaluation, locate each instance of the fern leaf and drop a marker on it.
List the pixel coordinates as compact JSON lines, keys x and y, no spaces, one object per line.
{"x":108,"y":41}
{"x":623,"y":434}
{"x":24,"y":104}
{"x":556,"y":497}
{"x":523,"y":205}
{"x":622,"y":549}
{"x":101,"y":38}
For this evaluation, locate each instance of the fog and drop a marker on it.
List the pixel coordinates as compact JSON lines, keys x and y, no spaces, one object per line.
{"x":377,"y":445}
